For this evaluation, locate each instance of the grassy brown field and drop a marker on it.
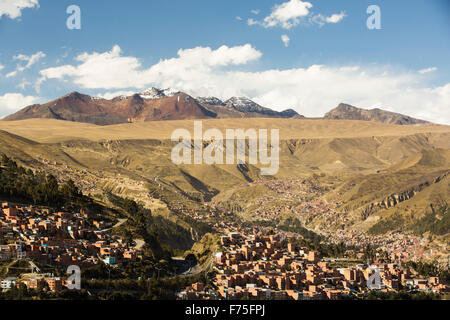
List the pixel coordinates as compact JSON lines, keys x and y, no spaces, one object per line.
{"x":51,"y":131}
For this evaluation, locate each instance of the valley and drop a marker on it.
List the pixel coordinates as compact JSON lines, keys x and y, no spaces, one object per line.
{"x":351,"y":183}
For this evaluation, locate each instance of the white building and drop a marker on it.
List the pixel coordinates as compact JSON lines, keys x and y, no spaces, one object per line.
{"x":8,"y":283}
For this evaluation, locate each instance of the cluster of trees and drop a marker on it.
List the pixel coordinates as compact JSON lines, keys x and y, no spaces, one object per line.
{"x":172,"y":236}
{"x":437,"y":223}
{"x":369,"y":253}
{"x":123,"y":289}
{"x":142,"y":223}
{"x":290,"y":225}
{"x":143,"y":289}
{"x":295,"y":225}
{"x":333,"y":250}
{"x":137,"y":280}
{"x":145,"y":269}
{"x":393,"y":222}
{"x":17,"y":183}
{"x":21,"y":292}
{"x":142,"y":226}
{"x":402,"y":295}
{"x":426,"y":269}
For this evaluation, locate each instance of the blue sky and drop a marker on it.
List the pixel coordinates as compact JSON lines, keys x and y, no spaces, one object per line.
{"x":403,"y":67}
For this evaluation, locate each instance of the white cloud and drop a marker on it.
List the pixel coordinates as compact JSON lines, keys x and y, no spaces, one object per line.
{"x":111,"y":95}
{"x":1,"y":67}
{"x":311,"y":90}
{"x":13,"y":8}
{"x":239,"y":18}
{"x":11,"y":102}
{"x":335,"y":18}
{"x":30,"y":61}
{"x":252,"y":22}
{"x":427,"y":70}
{"x":255,"y":11}
{"x":321,"y":20}
{"x":285,"y":40}
{"x":11,"y":74}
{"x":289,"y":14}
{"x":111,"y":70}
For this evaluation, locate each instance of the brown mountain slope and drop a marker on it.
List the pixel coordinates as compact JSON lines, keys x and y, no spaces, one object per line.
{"x":83,"y":108}
{"x":348,"y":112}
{"x":407,"y":189}
{"x":150,"y":105}
{"x":155,"y":105}
{"x":32,"y":153}
{"x":241,"y":107}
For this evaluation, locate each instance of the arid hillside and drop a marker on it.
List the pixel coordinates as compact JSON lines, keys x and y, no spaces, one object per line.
{"x":367,"y":174}
{"x":50,"y":130}
{"x":348,"y":112}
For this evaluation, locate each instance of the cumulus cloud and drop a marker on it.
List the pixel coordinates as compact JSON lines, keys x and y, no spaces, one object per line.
{"x":285,"y":40}
{"x":289,"y":14}
{"x":11,"y":102}
{"x":111,"y":70}
{"x":13,"y":8}
{"x":311,"y":90}
{"x":427,"y":70}
{"x":255,"y":11}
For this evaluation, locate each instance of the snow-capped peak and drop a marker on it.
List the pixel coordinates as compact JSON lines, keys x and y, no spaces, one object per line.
{"x":152,"y":93}
{"x":170,"y":92}
{"x":213,"y":101}
{"x":244,"y":104}
{"x":155,"y":93}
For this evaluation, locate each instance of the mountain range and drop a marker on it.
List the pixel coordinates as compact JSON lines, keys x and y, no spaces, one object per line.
{"x":157,"y":105}
{"x":348,"y":112}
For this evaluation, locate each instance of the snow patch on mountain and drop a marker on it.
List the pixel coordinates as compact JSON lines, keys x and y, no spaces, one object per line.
{"x":244,"y":104}
{"x":212,"y":101}
{"x":155,"y":93}
{"x":170,"y":92}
